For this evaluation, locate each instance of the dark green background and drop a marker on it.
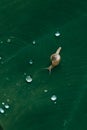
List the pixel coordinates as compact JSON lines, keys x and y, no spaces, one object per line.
{"x":30,"y":108}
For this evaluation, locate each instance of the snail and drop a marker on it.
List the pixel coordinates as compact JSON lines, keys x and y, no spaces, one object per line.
{"x":55,"y":59}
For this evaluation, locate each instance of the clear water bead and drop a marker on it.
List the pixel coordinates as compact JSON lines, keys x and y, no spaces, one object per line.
{"x":3,"y":103}
{"x":8,"y":40}
{"x":54,"y":98}
{"x":29,"y":79}
{"x":45,"y":90}
{"x":1,"y":110}
{"x":31,"y":62}
{"x":57,"y":34}
{"x":25,"y":74}
{"x":34,"y":42}
{"x":6,"y":106}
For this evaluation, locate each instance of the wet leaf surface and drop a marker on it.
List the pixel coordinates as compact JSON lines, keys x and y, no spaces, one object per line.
{"x":27,"y":39}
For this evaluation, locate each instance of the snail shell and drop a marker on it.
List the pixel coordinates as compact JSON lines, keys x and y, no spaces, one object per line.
{"x":55,"y":59}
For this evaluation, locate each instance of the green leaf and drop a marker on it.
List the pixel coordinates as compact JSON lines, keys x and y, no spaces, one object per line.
{"x":27,"y":39}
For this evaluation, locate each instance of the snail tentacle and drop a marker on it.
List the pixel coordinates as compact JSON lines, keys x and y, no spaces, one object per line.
{"x":58,"y":50}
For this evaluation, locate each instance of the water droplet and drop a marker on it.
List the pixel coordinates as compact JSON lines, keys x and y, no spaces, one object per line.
{"x":0,"y":57}
{"x":54,"y":97}
{"x":29,"y":79}
{"x":57,"y":34}
{"x":24,"y":73}
{"x":1,"y":110}
{"x":34,"y":42}
{"x":7,"y":106}
{"x":45,"y":90}
{"x":31,"y":62}
{"x":3,"y":103}
{"x":8,"y":40}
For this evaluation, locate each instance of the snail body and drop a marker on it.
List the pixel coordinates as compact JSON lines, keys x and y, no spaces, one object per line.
{"x":55,"y":59}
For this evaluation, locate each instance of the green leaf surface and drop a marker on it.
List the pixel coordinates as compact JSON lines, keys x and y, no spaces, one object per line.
{"x":29,"y":104}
